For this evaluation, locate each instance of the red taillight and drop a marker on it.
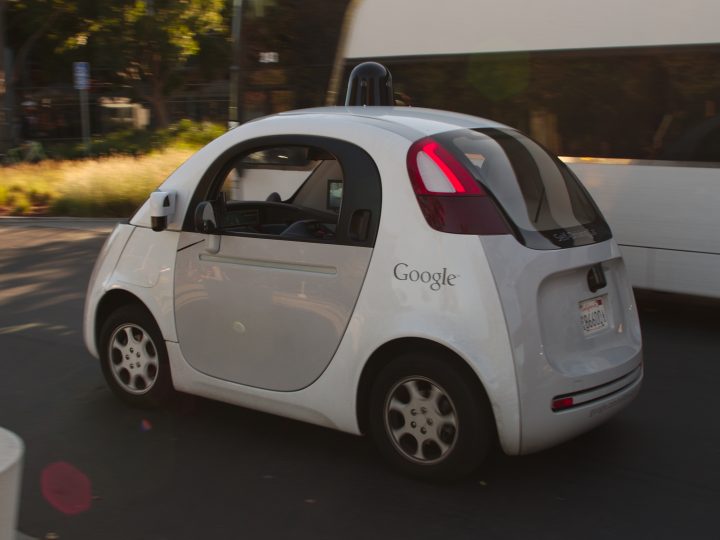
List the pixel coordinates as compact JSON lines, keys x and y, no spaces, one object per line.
{"x":434,"y":171}
{"x":450,"y":198}
{"x":560,"y":404}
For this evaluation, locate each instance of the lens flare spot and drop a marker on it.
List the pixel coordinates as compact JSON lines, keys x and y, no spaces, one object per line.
{"x":66,"y":488}
{"x":145,"y":425}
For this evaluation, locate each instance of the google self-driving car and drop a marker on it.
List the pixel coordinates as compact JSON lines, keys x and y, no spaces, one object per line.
{"x":437,"y":281}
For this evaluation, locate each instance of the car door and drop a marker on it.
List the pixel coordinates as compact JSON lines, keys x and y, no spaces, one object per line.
{"x":265,"y":299}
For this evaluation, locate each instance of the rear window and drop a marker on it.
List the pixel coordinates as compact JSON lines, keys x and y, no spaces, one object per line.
{"x":539,"y":194}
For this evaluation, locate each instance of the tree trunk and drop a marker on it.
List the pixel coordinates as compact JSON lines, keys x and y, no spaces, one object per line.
{"x":159,"y":104}
{"x":19,"y":75}
{"x":25,"y":49}
{"x":158,"y":98}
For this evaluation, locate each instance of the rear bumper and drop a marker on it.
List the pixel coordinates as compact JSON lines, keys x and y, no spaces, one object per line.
{"x":569,"y":379}
{"x":589,"y":396}
{"x":544,"y":427}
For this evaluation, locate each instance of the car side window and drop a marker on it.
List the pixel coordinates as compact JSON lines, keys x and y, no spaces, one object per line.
{"x":292,"y":187}
{"x":290,"y":192}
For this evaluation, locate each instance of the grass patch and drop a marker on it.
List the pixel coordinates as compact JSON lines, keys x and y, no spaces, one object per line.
{"x":124,"y":168}
{"x":103,"y":187}
{"x":184,"y":134}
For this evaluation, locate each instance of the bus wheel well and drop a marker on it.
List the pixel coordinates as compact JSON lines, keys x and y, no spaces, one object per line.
{"x":387,"y":352}
{"x":110,"y":302}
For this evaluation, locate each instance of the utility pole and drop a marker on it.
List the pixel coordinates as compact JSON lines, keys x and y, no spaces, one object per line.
{"x":234,"y":110}
{"x":331,"y":96}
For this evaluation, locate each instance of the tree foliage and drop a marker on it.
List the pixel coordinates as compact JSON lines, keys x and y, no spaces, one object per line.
{"x":39,"y":27}
{"x":142,"y":44}
{"x":147,"y":49}
{"x":146,"y":44}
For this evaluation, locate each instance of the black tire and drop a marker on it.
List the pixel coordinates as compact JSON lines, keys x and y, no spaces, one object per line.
{"x":442,"y":431}
{"x":134,"y":358}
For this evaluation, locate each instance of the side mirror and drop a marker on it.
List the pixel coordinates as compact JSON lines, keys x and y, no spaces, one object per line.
{"x":205,"y":221}
{"x":162,"y":206}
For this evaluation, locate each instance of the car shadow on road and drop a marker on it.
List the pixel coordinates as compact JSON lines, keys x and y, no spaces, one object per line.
{"x":43,"y":277}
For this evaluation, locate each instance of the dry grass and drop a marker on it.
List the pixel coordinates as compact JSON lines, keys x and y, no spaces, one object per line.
{"x":112,"y":186}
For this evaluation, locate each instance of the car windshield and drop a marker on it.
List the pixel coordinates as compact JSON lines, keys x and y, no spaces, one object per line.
{"x":543,"y":199}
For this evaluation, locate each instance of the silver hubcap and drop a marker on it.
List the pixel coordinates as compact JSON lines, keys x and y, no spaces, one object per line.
{"x":133,"y":359}
{"x":421,"y":420}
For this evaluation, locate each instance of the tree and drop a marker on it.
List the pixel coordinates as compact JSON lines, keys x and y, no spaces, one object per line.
{"x":147,"y":43}
{"x":40,"y":25}
{"x":4,"y":117}
{"x":25,"y":26}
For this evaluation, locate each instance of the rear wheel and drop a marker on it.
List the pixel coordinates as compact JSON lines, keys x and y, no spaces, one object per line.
{"x":427,"y":419}
{"x":134,"y":358}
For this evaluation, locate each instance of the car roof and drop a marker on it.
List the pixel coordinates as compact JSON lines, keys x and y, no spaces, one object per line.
{"x":410,"y":122}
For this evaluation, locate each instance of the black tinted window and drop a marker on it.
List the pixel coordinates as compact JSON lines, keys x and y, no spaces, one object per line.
{"x":657,"y":103}
{"x":542,"y":198}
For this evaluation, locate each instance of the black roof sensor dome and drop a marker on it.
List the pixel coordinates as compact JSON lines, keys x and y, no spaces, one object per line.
{"x":370,"y":83}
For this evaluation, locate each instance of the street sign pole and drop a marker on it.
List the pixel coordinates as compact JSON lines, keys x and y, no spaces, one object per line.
{"x":85,"y":119}
{"x":81,"y":76}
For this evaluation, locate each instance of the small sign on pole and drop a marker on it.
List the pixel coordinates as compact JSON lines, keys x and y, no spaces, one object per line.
{"x":81,"y":75}
{"x":81,"y":80}
{"x":269,"y":57}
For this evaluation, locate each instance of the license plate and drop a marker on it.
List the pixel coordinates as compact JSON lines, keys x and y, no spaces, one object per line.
{"x":593,"y":316}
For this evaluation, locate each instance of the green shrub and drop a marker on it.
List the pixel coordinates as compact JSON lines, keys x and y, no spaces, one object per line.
{"x":28,"y":152}
{"x":41,"y":194}
{"x":78,"y":206}
{"x":19,"y":203}
{"x":188,"y":134}
{"x":112,"y":186}
{"x":185,"y":134}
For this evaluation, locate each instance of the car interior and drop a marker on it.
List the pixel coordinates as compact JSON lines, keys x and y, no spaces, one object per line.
{"x":288,"y":192}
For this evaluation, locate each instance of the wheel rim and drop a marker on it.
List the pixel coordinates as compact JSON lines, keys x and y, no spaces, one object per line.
{"x":421,"y":420}
{"x":134,"y":359}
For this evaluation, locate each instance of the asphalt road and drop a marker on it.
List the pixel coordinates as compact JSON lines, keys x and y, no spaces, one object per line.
{"x":202,"y":469}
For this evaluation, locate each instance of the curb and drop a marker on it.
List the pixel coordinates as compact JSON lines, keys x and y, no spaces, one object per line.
{"x":100,"y":225}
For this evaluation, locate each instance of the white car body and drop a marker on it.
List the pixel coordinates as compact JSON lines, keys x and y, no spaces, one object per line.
{"x":332,"y":314}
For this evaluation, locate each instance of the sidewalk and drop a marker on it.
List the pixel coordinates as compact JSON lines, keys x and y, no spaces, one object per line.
{"x":99,"y":225}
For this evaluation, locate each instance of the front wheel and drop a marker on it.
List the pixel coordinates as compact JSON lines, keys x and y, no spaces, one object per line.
{"x":427,"y":419}
{"x":134,"y":358}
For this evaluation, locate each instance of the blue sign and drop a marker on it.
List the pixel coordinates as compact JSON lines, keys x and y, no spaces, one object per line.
{"x":81,"y":75}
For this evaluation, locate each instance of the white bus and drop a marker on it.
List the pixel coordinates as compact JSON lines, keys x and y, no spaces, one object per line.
{"x":628,"y":92}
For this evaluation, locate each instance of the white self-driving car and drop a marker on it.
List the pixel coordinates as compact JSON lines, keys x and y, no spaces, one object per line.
{"x":435,"y":280}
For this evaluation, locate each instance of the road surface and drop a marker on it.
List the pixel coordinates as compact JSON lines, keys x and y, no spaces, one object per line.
{"x":202,"y":469}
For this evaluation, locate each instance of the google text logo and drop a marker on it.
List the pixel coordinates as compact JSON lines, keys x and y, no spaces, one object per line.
{"x":436,"y":280}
